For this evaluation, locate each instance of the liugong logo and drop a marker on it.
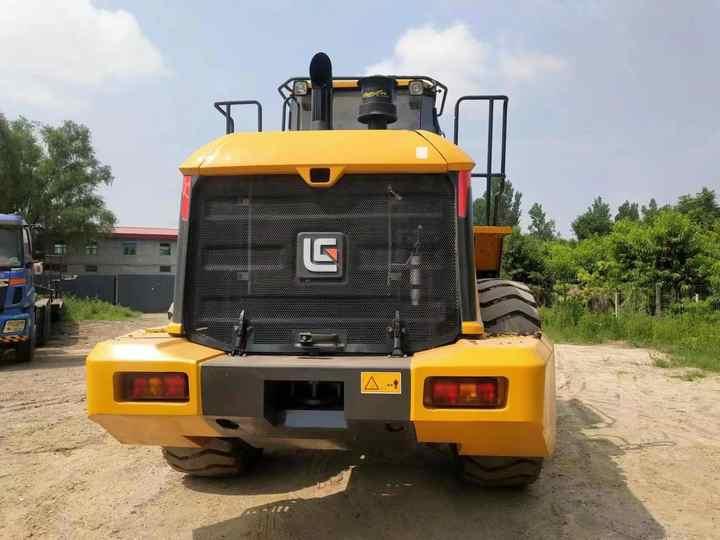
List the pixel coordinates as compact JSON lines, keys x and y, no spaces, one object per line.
{"x":320,"y":255}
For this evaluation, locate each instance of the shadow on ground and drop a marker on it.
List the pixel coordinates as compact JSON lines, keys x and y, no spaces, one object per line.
{"x":582,"y":493}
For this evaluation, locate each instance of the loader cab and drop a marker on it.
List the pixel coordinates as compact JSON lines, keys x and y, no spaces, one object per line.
{"x":416,"y":101}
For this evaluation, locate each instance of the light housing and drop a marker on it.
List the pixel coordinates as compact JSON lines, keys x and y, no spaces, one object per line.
{"x":16,"y":326}
{"x":153,"y":386}
{"x":416,"y":87}
{"x":465,"y":392}
{"x":300,"y":88}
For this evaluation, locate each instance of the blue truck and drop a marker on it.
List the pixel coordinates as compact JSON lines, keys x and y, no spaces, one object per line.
{"x":26,"y":308}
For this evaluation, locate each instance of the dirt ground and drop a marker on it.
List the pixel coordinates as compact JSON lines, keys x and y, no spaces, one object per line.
{"x":638,"y":457}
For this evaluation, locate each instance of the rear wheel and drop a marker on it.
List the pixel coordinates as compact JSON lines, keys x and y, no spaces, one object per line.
{"x":507,"y":308}
{"x":43,"y":324}
{"x":217,"y":458}
{"x":499,"y":471}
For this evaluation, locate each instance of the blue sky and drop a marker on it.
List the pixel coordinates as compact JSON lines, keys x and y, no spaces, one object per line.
{"x":617,"y":99}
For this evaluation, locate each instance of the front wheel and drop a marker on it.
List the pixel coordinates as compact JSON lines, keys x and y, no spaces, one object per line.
{"x":217,"y":458}
{"x":25,"y":351}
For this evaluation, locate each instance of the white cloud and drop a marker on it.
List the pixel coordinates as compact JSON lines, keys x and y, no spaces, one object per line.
{"x":51,"y":51}
{"x":456,"y":57}
{"x":527,"y":67}
{"x":452,"y":55}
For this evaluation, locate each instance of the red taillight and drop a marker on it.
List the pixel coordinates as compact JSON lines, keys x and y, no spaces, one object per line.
{"x":153,"y":387}
{"x":463,"y":193}
{"x":468,"y":392}
{"x":185,"y":198}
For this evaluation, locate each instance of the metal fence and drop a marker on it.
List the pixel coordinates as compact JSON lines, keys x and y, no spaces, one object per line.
{"x":149,"y":293}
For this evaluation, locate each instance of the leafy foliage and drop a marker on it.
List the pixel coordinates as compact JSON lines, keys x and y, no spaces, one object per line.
{"x":524,"y":258}
{"x":677,"y":247}
{"x":540,"y":226}
{"x":650,"y":211}
{"x":508,"y":207}
{"x":596,"y":221}
{"x":51,"y":175}
{"x":628,"y":210}
{"x":702,"y":208}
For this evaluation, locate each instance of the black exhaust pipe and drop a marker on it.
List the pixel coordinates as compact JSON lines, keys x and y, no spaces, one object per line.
{"x":322,"y":91}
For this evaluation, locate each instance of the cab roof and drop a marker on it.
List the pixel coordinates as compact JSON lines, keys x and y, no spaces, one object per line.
{"x":341,"y":151}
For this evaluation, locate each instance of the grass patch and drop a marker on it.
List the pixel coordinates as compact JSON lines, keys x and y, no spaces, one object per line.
{"x":92,"y":309}
{"x":689,"y":339}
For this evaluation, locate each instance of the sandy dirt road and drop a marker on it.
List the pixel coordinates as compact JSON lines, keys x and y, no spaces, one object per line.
{"x":638,"y":457}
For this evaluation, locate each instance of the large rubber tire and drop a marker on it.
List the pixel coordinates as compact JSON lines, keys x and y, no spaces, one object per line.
{"x":43,"y":320}
{"x":217,"y":458}
{"x":507,"y":307}
{"x":25,"y":351}
{"x":493,"y":472}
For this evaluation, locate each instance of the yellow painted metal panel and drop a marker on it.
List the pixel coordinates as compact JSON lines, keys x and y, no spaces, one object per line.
{"x":489,"y":246}
{"x":174,"y":329}
{"x":355,"y":151}
{"x":352,"y":83}
{"x":168,"y":430}
{"x":143,"y":351}
{"x":454,"y":156}
{"x":470,"y":328}
{"x":524,"y":427}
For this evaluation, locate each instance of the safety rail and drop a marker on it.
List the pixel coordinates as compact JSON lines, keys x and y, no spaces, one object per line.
{"x":286,"y":89}
{"x":489,"y":175}
{"x":227,"y":112}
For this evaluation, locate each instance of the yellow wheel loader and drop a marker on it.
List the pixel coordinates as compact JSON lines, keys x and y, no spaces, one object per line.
{"x":332,"y":292}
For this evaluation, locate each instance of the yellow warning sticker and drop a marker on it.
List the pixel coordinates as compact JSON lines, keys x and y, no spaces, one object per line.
{"x":381,"y":382}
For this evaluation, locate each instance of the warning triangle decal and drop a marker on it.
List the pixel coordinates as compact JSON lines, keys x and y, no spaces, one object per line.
{"x":372,"y":385}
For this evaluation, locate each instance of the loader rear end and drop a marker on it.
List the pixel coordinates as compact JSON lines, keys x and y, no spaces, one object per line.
{"x":332,"y":293}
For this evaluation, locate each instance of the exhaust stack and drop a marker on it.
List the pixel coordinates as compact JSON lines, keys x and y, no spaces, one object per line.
{"x":322,"y":90}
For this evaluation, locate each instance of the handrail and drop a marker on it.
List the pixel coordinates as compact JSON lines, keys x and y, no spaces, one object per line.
{"x":227,"y":113}
{"x":489,"y":175}
{"x":285,"y":88}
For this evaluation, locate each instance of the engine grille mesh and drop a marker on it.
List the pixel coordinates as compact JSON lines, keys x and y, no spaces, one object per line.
{"x":399,"y":254}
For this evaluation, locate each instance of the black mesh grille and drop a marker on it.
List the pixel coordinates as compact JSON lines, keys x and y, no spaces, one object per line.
{"x":398,"y":254}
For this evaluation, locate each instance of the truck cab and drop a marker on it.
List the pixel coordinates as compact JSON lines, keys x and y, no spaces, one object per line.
{"x":27,"y":308}
{"x":17,"y":293}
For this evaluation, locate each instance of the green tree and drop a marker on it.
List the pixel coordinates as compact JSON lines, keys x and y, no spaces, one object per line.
{"x":541,"y":227}
{"x":628,"y":210}
{"x":53,"y":181}
{"x":524,"y":259}
{"x":596,"y":221}
{"x":664,"y":251}
{"x":701,"y":208}
{"x":19,"y":157}
{"x":508,"y":212}
{"x":650,"y":211}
